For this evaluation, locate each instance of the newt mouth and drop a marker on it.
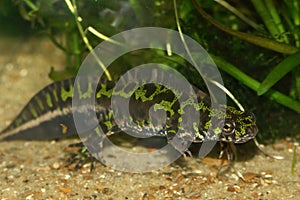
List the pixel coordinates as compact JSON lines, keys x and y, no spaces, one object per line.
{"x":251,"y":133}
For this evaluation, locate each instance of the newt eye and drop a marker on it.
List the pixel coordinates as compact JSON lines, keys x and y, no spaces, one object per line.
{"x":228,"y":127}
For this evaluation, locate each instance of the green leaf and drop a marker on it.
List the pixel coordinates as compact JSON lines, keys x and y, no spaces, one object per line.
{"x":254,"y":84}
{"x":278,"y":72}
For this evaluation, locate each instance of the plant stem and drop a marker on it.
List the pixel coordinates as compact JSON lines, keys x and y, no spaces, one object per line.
{"x":73,"y":8}
{"x":276,"y":21}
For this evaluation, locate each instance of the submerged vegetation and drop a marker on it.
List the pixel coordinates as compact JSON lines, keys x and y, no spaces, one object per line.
{"x":254,"y":43}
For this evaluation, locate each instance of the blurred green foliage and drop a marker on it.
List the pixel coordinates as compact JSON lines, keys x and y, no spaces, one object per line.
{"x":11,"y":22}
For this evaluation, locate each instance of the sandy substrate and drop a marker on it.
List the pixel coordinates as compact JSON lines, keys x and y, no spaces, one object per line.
{"x":36,"y":170}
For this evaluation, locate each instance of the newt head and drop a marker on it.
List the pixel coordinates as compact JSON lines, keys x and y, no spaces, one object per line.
{"x":239,"y":126}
